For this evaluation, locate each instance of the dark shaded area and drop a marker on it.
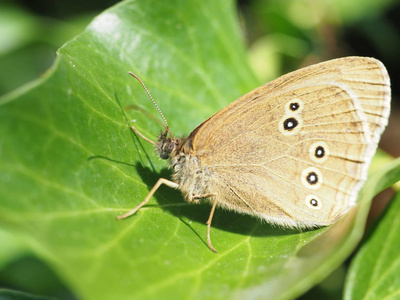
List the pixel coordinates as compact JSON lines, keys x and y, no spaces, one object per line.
{"x":173,"y":201}
{"x":34,"y":277}
{"x":378,"y":38}
{"x":64,"y":9}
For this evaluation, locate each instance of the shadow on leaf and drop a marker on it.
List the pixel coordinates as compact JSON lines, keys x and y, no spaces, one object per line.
{"x":173,"y":201}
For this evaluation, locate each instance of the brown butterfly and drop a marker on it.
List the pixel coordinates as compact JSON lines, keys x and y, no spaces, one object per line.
{"x":293,"y":152}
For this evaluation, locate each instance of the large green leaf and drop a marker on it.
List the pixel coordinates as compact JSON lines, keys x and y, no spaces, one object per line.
{"x":70,"y":164}
{"x":374,"y":273}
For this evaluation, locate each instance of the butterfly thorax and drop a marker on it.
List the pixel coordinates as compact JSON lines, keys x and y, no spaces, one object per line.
{"x":192,"y":177}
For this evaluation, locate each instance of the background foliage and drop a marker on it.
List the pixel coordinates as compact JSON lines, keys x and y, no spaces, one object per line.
{"x":69,"y":163}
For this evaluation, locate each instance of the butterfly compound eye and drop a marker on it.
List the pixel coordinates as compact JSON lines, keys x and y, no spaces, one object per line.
{"x":166,"y":148}
{"x":170,"y":147}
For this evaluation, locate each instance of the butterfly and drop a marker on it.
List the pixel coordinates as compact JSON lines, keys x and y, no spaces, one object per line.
{"x":294,"y":152}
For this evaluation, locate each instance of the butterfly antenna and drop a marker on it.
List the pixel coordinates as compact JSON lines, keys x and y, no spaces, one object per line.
{"x":152,"y":99}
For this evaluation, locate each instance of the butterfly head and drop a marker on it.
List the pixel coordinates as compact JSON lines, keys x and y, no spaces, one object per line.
{"x":166,"y":145}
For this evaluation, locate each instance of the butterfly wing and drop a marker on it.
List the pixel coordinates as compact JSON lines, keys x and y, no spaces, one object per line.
{"x":296,"y":151}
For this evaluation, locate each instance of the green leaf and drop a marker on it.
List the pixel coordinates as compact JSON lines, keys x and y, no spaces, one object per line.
{"x":69,"y":164}
{"x":11,"y":247}
{"x":374,"y":273}
{"x":15,"y":295}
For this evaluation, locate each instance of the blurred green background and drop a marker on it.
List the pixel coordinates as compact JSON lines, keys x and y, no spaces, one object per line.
{"x":281,"y":36}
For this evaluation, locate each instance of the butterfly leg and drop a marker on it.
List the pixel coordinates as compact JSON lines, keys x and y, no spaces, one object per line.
{"x":214,"y":204}
{"x":149,"y":195}
{"x":209,"y":226}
